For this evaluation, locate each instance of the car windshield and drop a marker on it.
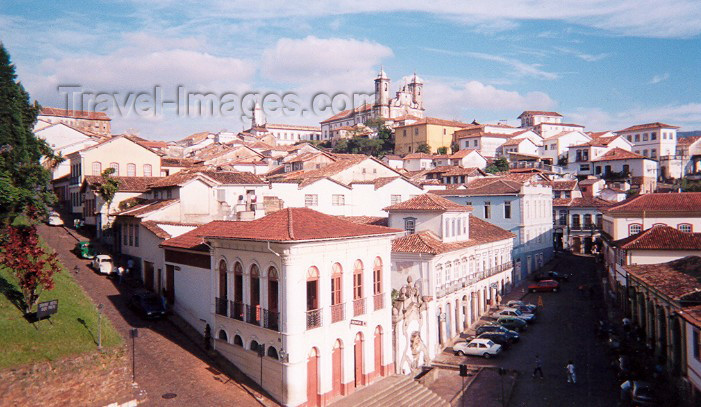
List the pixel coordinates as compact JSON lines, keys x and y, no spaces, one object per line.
{"x":152,"y":301}
{"x":518,"y":312}
{"x":489,"y":343}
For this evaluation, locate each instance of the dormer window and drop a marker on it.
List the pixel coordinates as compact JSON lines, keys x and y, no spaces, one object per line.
{"x":410,"y":225}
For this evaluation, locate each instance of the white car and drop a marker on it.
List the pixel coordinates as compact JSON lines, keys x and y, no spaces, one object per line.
{"x":517,"y":303}
{"x":477,"y":347}
{"x":55,"y":219}
{"x":102,"y":263}
{"x":513,"y":312}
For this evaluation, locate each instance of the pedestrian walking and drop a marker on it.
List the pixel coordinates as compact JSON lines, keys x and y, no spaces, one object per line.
{"x":130,"y":266}
{"x":571,"y":377}
{"x":207,"y":337}
{"x":538,"y":367}
{"x":120,"y":274}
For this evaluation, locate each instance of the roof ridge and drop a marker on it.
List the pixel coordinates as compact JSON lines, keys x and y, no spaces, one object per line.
{"x":290,"y":229}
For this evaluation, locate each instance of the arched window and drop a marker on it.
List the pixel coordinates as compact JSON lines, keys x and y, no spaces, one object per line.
{"x":312,"y":288}
{"x":131,"y":170}
{"x":634,"y":228}
{"x":685,"y":227}
{"x":222,"y":335}
{"x":238,"y":292}
{"x":377,"y":276}
{"x":358,"y":302}
{"x":439,"y":276}
{"x":337,"y":293}
{"x":254,"y":313}
{"x":254,"y":346}
{"x":223,"y":299}
{"x":96,"y":168}
{"x":272,"y":314}
{"x":148,"y":170}
{"x":448,"y":273}
{"x":116,"y":169}
{"x":272,"y":353}
{"x":238,"y":341}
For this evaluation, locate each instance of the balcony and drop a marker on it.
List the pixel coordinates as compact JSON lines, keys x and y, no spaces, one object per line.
{"x":236,"y":310}
{"x":314,"y":318}
{"x":358,"y":307}
{"x":379,"y":301}
{"x":220,"y":305}
{"x":252,"y":314}
{"x":338,"y":312}
{"x":271,"y":320}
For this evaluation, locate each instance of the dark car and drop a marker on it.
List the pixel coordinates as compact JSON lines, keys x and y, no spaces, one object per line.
{"x":493,"y":328}
{"x":84,"y":250}
{"x":149,"y":305}
{"x":512,"y":323}
{"x":497,"y":337}
{"x":551,"y":275}
{"x":544,"y":286}
{"x":637,"y":393}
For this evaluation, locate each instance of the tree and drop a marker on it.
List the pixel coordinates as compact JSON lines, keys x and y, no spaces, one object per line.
{"x":423,"y":148}
{"x":31,"y":264}
{"x":24,"y":182}
{"x":501,"y":164}
{"x":442,"y":150}
{"x":107,"y":189}
{"x":454,"y":147}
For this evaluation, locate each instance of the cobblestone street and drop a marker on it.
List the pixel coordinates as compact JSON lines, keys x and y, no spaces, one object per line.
{"x":171,"y":369}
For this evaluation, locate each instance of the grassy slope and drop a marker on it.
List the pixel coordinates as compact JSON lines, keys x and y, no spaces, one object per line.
{"x":22,"y":342}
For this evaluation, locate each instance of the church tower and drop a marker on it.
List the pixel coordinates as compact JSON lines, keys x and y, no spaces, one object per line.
{"x":258,"y":119}
{"x":382,"y":94}
{"x":416,"y":87}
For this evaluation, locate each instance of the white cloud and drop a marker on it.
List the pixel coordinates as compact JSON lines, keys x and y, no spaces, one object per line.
{"x":460,"y":100}
{"x":687,"y":116}
{"x":519,"y":68}
{"x":582,"y":55}
{"x":646,"y":18}
{"x":659,"y":78}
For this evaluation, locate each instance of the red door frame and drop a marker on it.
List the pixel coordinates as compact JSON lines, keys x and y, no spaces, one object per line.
{"x":313,"y":378}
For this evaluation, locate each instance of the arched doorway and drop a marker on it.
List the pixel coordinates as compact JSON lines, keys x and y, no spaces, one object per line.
{"x":358,"y":361}
{"x":313,"y":378}
{"x":337,"y":368}
{"x":378,"y":351}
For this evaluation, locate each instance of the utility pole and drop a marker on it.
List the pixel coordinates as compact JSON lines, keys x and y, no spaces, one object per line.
{"x":100,"y":307}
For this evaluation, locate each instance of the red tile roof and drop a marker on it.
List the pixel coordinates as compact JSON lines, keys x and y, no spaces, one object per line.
{"x":367,"y":220}
{"x":428,"y":202}
{"x":487,"y":186}
{"x":688,"y":202}
{"x":126,"y":184}
{"x":418,"y":155}
{"x":661,"y":238}
{"x":588,"y":202}
{"x":481,"y":232}
{"x":564,"y":185}
{"x":348,"y":113}
{"x":619,"y":154}
{"x":648,"y":126}
{"x":75,"y":114}
{"x":291,"y":127}
{"x":146,"y":207}
{"x":179,"y":162}
{"x":436,"y":121}
{"x":687,"y":141}
{"x":676,"y":279}
{"x":539,"y":113}
{"x":484,"y":134}
{"x":462,"y":153}
{"x":286,"y":225}
{"x":222,"y":177}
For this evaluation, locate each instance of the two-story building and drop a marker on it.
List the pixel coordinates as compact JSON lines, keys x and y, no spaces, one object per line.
{"x":618,"y":164}
{"x":300,"y":301}
{"x":657,"y":141}
{"x":434,"y":132}
{"x":448,"y":270}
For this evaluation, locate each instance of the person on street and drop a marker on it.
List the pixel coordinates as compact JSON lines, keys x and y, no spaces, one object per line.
{"x":538,"y":367}
{"x":571,"y":377}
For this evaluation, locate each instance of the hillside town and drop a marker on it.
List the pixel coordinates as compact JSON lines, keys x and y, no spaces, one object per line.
{"x":319,"y":273}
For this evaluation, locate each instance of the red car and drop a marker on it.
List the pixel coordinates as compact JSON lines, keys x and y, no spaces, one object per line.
{"x":544,"y":285}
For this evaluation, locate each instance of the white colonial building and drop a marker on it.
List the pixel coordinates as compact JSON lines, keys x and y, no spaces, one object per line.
{"x":300,"y":301}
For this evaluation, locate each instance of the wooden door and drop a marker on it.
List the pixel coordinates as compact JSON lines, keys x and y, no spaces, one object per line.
{"x":336,"y":370}
{"x":358,"y":353}
{"x":378,"y":352}
{"x":170,"y":284}
{"x":313,"y":379}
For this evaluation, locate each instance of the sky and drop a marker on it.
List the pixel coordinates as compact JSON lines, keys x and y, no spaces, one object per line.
{"x":606,"y":64}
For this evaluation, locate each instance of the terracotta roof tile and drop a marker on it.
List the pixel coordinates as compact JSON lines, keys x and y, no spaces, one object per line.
{"x":588,"y":202}
{"x":487,"y":186}
{"x":286,"y":225}
{"x":222,"y":177}
{"x":126,"y":184}
{"x":648,"y":126}
{"x":428,"y":202}
{"x":618,"y":154}
{"x":462,"y":153}
{"x":347,"y":113}
{"x":436,"y":121}
{"x":146,"y":207}
{"x":661,"y":238}
{"x":658,"y":202}
{"x":481,"y":232}
{"x":539,"y":113}
{"x":687,"y":141}
{"x":76,"y":114}
{"x":564,"y":185}
{"x":179,"y":162}
{"x":677,"y":279}
{"x":367,"y":220}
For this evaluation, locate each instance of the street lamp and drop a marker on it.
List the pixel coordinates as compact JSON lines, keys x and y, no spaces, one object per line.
{"x":100,"y":307}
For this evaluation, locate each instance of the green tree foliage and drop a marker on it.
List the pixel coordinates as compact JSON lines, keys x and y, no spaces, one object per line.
{"x":442,"y":150}
{"x":108,"y":188}
{"x":423,"y":148}
{"x":454,"y":147}
{"x":690,"y":186}
{"x":501,"y":164}
{"x":378,"y":147}
{"x":24,"y":182}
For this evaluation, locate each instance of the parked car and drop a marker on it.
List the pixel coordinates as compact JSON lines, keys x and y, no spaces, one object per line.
{"x":148,"y":305}
{"x":512,"y":323}
{"x":513,"y":335}
{"x":519,"y":304}
{"x":54,"y":219}
{"x":102,"y":263}
{"x":477,"y":347}
{"x":551,"y":275}
{"x":84,"y":250}
{"x":515,"y":313}
{"x":637,"y":393}
{"x":497,"y":337}
{"x":544,"y":286}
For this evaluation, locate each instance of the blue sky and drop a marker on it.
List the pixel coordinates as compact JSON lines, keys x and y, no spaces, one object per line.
{"x":604,"y":64}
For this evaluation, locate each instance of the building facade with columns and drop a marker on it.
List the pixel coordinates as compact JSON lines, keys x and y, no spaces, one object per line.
{"x":448,"y":270}
{"x":301,"y":302}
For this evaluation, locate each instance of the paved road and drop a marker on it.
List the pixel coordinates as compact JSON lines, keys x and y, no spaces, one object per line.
{"x":564,"y":330}
{"x":167,"y":362}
